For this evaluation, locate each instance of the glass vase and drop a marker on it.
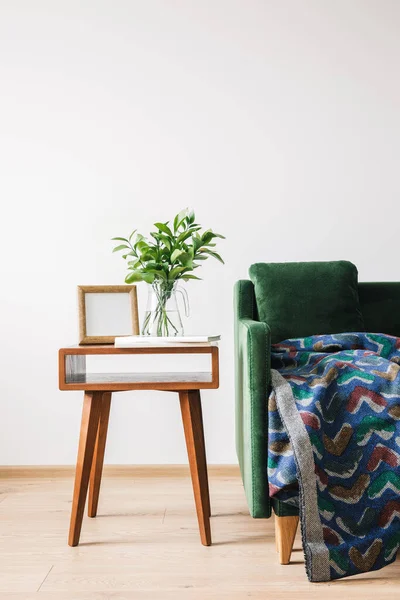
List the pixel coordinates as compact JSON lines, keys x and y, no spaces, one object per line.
{"x":162,"y":316}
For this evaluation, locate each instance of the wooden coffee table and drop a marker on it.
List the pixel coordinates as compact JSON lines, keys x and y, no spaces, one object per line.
{"x":98,"y":390}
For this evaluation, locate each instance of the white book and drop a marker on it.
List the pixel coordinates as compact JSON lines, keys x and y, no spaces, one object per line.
{"x":130,"y":341}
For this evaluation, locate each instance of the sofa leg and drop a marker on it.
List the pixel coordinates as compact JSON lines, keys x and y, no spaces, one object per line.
{"x":285,"y":532}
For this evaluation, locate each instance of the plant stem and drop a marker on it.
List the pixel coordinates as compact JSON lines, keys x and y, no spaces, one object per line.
{"x":159,"y":316}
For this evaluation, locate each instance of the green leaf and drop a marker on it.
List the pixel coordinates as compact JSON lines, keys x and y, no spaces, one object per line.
{"x":139,"y":238}
{"x":214,"y":254}
{"x":186,"y":277}
{"x":183,"y":236}
{"x":180,"y":217}
{"x":132,"y":234}
{"x":158,"y":273}
{"x":197,"y":242}
{"x":120,"y":239}
{"x":161,"y":239}
{"x":207,"y":236}
{"x":148,"y":277}
{"x":148,"y":256}
{"x":141,"y":245}
{"x":121,"y":247}
{"x":165,"y":254}
{"x":185,"y":259}
{"x":164,"y":228}
{"x":176,"y":253}
{"x":191,"y":216}
{"x":134,"y":264}
{"x":176,"y":271}
{"x":134,"y":276}
{"x":165,"y":241}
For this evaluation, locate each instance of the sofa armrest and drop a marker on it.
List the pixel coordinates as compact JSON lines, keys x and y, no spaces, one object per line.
{"x":252,"y":366}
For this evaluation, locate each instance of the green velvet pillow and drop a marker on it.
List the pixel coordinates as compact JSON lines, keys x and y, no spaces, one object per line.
{"x":307,"y":298}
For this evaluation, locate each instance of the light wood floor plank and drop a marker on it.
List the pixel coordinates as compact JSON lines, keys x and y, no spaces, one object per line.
{"x":21,"y":577}
{"x":144,"y":545}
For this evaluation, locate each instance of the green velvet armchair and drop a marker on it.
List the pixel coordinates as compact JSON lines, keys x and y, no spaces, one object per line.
{"x":380,"y":307}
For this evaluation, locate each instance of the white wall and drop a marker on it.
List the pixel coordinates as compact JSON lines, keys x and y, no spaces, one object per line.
{"x":278,"y":121}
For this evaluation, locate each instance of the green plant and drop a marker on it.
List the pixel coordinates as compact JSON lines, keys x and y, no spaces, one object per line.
{"x":173,"y":253}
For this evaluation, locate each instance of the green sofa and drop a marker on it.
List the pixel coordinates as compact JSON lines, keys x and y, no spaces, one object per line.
{"x":380,"y":307}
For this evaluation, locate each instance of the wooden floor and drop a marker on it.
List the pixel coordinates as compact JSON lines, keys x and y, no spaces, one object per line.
{"x":145,"y":545}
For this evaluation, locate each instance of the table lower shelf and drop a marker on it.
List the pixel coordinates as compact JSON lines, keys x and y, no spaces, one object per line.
{"x":131,"y":381}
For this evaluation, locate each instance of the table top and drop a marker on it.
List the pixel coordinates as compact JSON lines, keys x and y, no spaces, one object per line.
{"x":170,"y":348}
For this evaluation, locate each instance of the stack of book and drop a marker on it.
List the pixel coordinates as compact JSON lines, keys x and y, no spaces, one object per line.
{"x":130,"y":341}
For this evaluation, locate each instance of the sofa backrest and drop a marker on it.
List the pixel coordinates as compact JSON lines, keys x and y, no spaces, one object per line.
{"x":379,"y":302}
{"x":380,"y":306}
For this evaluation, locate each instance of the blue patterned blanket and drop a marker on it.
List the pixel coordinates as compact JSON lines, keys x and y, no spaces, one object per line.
{"x":334,"y":448}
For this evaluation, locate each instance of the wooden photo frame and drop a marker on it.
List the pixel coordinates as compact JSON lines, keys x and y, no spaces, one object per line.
{"x":109,"y":317}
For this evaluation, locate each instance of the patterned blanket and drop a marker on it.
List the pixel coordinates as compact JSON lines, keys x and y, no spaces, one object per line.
{"x":334,"y":448}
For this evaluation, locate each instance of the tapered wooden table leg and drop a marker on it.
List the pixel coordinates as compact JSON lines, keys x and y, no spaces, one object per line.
{"x":89,"y":425}
{"x":98,"y":457}
{"x":193,"y":426}
{"x":204,"y":467}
